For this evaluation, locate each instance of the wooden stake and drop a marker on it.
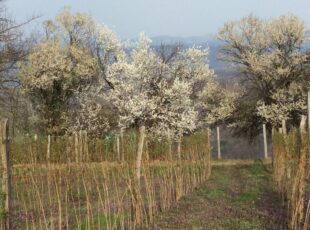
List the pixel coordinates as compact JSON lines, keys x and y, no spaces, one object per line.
{"x":36,"y":147}
{"x":179,"y":142}
{"x":309,"y":118}
{"x":139,"y":153}
{"x":219,"y":154}
{"x":76,"y":147}
{"x":118,"y":148}
{"x":265,"y":141}
{"x":48,"y":152}
{"x":86,"y":146}
{"x":284,"y":127}
{"x":121,"y":144}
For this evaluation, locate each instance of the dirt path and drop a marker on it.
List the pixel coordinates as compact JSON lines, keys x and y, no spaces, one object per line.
{"x":235,"y":198}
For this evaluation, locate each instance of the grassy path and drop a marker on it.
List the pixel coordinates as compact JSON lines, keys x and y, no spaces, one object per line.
{"x":237,"y":197}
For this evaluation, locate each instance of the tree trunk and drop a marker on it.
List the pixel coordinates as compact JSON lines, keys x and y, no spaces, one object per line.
{"x":118,"y":150}
{"x":6,"y":175}
{"x":81,"y":154}
{"x":209,"y":140}
{"x":147,"y":153}
{"x":35,"y":148}
{"x":308,"y":118}
{"x":170,"y":146}
{"x":179,"y":145}
{"x":122,"y":144}
{"x":68,"y":152}
{"x":303,"y":125}
{"x":289,"y":168}
{"x":272,"y":136}
{"x":139,"y":152}
{"x":284,"y":127}
{"x":48,"y":152}
{"x":86,"y":146}
{"x":219,"y":154}
{"x":76,"y":147}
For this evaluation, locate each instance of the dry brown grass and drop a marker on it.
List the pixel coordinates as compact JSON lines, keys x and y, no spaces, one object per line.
{"x":290,"y":163}
{"x":104,"y":195}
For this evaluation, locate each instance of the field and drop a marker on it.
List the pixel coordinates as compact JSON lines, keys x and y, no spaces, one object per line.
{"x":238,"y":197}
{"x":50,"y":192}
{"x":89,"y":184}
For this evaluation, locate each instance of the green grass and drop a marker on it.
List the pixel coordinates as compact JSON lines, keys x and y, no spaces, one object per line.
{"x":258,"y":170}
{"x":237,"y":197}
{"x":236,"y":224}
{"x":249,"y":195}
{"x":221,"y":178}
{"x":102,"y":221}
{"x":215,"y":194}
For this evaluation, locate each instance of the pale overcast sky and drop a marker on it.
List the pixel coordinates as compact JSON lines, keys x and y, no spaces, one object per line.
{"x":161,"y":17}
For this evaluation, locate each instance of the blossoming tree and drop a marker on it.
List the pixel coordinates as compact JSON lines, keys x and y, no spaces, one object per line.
{"x":58,"y":67}
{"x":156,"y":95}
{"x":269,"y":53}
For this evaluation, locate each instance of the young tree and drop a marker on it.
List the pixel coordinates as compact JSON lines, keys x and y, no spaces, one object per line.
{"x":155,"y":94}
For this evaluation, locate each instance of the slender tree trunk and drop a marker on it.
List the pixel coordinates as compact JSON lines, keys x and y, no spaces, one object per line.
{"x":5,"y":220}
{"x":35,"y":148}
{"x":170,"y":146}
{"x":76,"y":147}
{"x":86,"y":145}
{"x":284,"y":127}
{"x":48,"y":152}
{"x":272,"y":136}
{"x":139,"y":152}
{"x":209,"y":141}
{"x":284,"y":131}
{"x":122,"y":144}
{"x":80,"y":137}
{"x":265,"y":141}
{"x":219,"y":154}
{"x":68,"y":152}
{"x":147,"y":153}
{"x":179,"y":145}
{"x":303,"y":124}
{"x":308,"y":119}
{"x":118,"y":150}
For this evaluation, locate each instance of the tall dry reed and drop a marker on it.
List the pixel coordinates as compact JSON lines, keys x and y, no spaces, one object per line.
{"x":104,"y":195}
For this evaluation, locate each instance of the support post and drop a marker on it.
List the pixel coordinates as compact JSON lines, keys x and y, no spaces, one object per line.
{"x":284,"y":127}
{"x":6,"y":174}
{"x":76,"y":147}
{"x":122,"y":144}
{"x":308,"y":118}
{"x":179,"y":142}
{"x":86,"y":146}
{"x":48,"y":151}
{"x":265,"y":141}
{"x":219,"y":154}
{"x":36,"y":147}
{"x":170,"y":146}
{"x":118,"y":148}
